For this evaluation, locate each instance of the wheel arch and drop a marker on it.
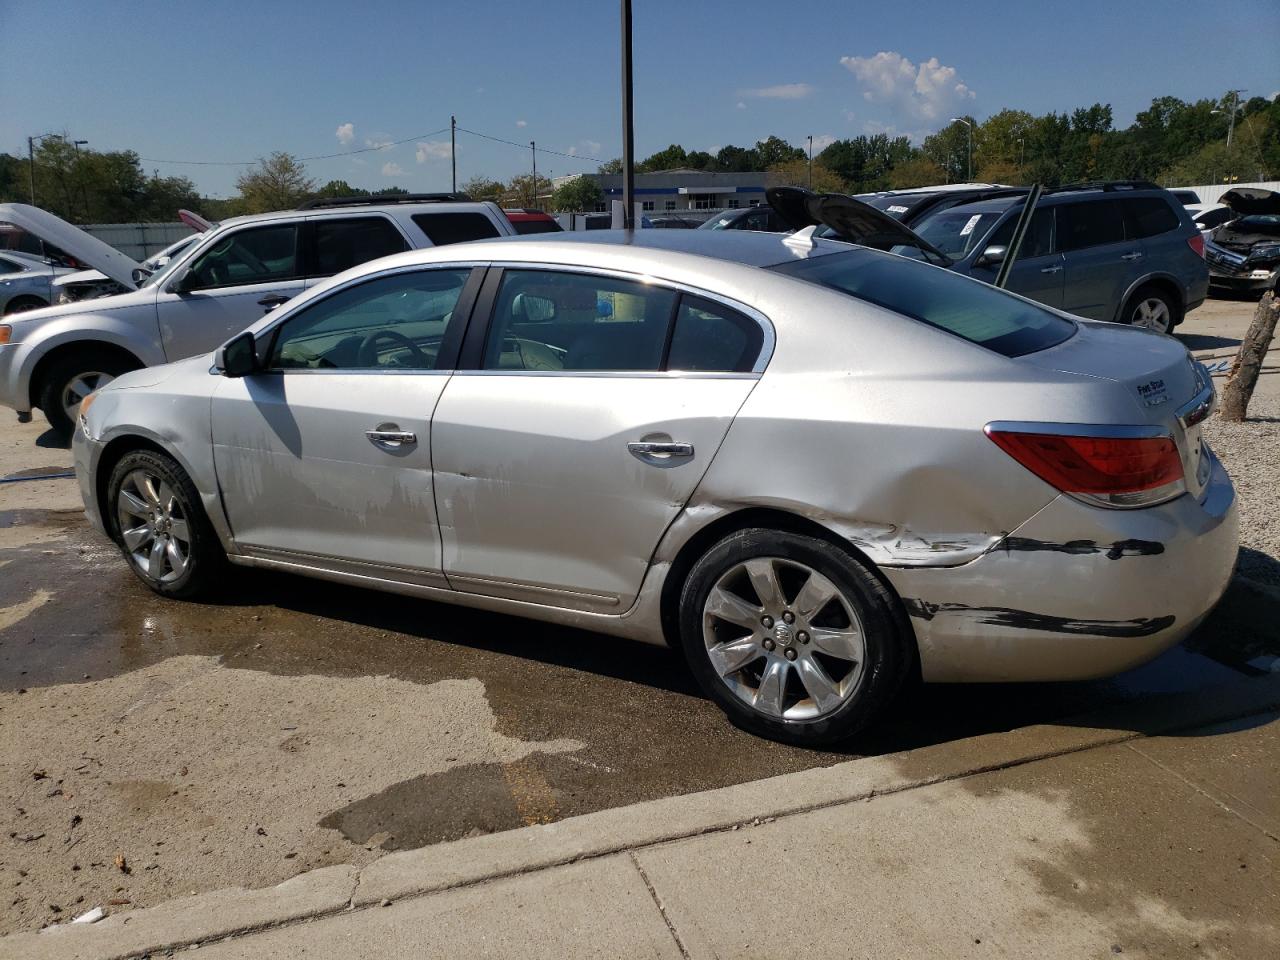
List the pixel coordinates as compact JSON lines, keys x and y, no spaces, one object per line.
{"x":112,"y":454}
{"x":771,"y":518}
{"x":1162,"y":281}
{"x":55,"y":353}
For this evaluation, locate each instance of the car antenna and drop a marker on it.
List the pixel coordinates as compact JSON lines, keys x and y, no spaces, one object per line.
{"x":803,"y":239}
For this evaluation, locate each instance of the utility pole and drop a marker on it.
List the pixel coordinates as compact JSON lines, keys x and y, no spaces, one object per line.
{"x":453,"y":150}
{"x":628,"y":127}
{"x":533,"y":147}
{"x":811,"y":161}
{"x":970,"y":126}
{"x":31,"y":167}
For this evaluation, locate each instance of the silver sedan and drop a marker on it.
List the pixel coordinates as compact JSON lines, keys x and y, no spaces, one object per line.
{"x":816,"y":469}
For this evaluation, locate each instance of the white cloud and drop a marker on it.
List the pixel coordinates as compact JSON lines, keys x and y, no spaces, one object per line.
{"x":820,"y":142}
{"x":522,"y":123}
{"x":392,"y":169}
{"x":782,"y":91}
{"x":585,"y":148}
{"x":433,"y":150}
{"x":345,"y":133}
{"x":741,"y":105}
{"x":928,"y":91}
{"x":379,"y":141}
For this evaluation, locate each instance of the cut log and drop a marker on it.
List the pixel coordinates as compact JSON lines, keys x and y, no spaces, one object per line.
{"x":1244,"y":370}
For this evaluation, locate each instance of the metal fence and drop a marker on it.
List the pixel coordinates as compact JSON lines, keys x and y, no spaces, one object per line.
{"x":138,"y":240}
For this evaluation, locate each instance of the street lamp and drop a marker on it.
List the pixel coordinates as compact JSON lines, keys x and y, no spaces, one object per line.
{"x":31,"y":159}
{"x":970,"y":126}
{"x":811,"y":161}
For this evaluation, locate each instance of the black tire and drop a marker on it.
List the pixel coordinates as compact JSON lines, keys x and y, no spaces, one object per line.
{"x":21,"y":304}
{"x":63,"y":371}
{"x":206,"y":562}
{"x":1148,"y":294}
{"x":888,"y":646}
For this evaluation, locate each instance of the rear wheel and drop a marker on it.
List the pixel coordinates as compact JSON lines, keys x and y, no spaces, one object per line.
{"x":156,"y":518}
{"x":1153,"y":309}
{"x":72,"y":377}
{"x":20,"y":304}
{"x":792,"y":636}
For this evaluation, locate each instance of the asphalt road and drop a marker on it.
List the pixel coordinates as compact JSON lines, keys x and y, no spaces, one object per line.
{"x":153,"y":748}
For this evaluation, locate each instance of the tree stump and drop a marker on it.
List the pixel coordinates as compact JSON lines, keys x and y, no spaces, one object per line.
{"x":1248,"y":362}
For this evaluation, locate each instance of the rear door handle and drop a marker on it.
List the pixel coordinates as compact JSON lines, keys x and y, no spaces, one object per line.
{"x":1132,"y":256}
{"x":390,"y":437}
{"x":1055,"y":269}
{"x":661,"y":451}
{"x":272,"y":300}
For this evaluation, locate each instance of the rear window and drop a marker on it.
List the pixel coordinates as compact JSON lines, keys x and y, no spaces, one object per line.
{"x":973,"y":311}
{"x":1150,"y":216}
{"x":444,"y":227}
{"x":538,"y":225}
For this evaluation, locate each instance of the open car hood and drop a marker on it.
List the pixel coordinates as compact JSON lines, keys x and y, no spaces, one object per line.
{"x":1251,"y":200}
{"x":72,"y":240}
{"x":851,"y":219}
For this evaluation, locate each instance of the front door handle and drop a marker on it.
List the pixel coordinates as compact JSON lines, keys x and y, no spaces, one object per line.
{"x":390,"y":437}
{"x":1054,"y":269}
{"x":271,"y":301}
{"x":660,"y":451}
{"x":1132,"y":256}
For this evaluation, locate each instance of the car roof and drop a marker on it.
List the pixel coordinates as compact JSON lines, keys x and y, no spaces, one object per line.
{"x":1048,"y":198}
{"x":425,"y":206}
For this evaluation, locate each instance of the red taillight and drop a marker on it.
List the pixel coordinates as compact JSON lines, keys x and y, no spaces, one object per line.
{"x":1117,"y":471}
{"x":1196,"y":243}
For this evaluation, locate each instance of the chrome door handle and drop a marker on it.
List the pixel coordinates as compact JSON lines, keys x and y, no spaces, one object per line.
{"x":390,"y":439}
{"x":659,"y":451}
{"x":1132,"y":256}
{"x":1056,"y":269}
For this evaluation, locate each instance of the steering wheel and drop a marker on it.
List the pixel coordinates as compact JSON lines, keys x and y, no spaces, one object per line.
{"x":368,"y":352}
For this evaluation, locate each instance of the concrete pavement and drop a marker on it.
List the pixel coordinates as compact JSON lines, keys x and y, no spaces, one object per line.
{"x":1150,"y":829}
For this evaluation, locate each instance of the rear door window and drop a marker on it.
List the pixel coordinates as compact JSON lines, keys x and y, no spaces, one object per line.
{"x":711,"y":337}
{"x":1149,"y":216}
{"x":455,"y":227}
{"x":1089,"y":224}
{"x":344,"y":242}
{"x":966,"y":308}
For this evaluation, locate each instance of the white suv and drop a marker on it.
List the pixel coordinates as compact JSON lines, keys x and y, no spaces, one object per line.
{"x":52,"y":358}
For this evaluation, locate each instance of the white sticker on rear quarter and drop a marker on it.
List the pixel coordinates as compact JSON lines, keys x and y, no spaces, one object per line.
{"x":968,"y":227}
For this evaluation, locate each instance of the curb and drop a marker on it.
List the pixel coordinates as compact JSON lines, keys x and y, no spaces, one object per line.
{"x":237,"y":911}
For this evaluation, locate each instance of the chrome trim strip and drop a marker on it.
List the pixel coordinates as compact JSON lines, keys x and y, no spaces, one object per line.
{"x":419,"y":576}
{"x":611,"y":374}
{"x":1197,"y":409}
{"x":1104,"y":431}
{"x":603,"y":599}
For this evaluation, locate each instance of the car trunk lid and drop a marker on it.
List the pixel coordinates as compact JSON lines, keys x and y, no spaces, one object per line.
{"x":1168,"y":388}
{"x":851,"y":219}
{"x":74,"y":241}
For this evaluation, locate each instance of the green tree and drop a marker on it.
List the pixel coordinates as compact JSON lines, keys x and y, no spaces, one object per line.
{"x":482,"y":188}
{"x":795,"y":173}
{"x":921,"y":171}
{"x":700,"y":160}
{"x":340,"y":188}
{"x":772,"y":151}
{"x":610,"y":166}
{"x":279,"y":182}
{"x":672,"y":158}
{"x":733,"y":159}
{"x":578,"y":194}
{"x":522,"y":192}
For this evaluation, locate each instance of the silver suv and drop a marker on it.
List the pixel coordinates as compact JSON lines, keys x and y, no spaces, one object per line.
{"x":54,"y":357}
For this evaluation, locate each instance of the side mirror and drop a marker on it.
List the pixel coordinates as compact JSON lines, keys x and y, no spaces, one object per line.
{"x":238,"y":357}
{"x":992,"y":256}
{"x":139,"y":274}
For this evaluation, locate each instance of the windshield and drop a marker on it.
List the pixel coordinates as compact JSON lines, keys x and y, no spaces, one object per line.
{"x":896,"y":205}
{"x":969,"y":309}
{"x":167,"y":268}
{"x":955,"y":231}
{"x":721,"y":221}
{"x":1259,"y":222}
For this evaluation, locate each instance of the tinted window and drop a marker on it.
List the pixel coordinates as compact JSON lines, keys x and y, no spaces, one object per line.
{"x":451,"y":227}
{"x":975,"y":311}
{"x":10,"y":266}
{"x":955,"y":231}
{"x":1039,"y":239}
{"x":535,"y":226}
{"x":341,"y":244}
{"x":712,"y":337}
{"x":1215,"y":218}
{"x":391,"y":323}
{"x":545,"y":320}
{"x":257,"y":255}
{"x":1150,"y":216}
{"x":1089,"y":224}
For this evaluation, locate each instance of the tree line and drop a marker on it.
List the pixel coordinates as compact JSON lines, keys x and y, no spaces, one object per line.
{"x":1173,"y":142}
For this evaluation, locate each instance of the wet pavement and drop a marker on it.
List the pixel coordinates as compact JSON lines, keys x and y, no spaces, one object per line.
{"x":294,"y":723}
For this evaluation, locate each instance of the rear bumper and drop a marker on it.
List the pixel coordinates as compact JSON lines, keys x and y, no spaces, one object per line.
{"x":1245,"y":280}
{"x":1076,"y":592}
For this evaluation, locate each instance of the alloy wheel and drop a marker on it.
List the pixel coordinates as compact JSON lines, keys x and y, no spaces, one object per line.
{"x":1153,"y":314}
{"x":153,"y":526}
{"x":783,"y":638}
{"x":79,"y":387}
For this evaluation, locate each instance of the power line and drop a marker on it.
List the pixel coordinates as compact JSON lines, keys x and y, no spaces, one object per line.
{"x":524,"y":146}
{"x":323,"y":156}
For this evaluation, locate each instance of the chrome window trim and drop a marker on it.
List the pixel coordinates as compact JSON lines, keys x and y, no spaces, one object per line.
{"x":188,"y":256}
{"x":613,"y":374}
{"x":648,"y":279}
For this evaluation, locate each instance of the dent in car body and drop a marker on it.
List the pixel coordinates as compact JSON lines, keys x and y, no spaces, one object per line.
{"x":1079,"y":548}
{"x":1029,"y":620}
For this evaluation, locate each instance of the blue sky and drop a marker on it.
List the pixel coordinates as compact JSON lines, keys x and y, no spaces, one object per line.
{"x":233,"y":80}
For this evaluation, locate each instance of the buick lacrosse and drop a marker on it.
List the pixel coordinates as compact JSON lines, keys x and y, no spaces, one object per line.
{"x":814,"y":468}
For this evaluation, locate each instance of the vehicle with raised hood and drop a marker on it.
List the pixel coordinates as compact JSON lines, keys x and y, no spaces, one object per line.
{"x":1244,"y":253}
{"x":1123,"y":251}
{"x":814,"y":468}
{"x":91,"y":284}
{"x":27,"y":282}
{"x":53,"y":357}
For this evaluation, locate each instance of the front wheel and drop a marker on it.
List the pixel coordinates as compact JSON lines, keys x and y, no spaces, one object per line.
{"x":156,"y":518}
{"x":793,"y":637}
{"x":72,"y":377}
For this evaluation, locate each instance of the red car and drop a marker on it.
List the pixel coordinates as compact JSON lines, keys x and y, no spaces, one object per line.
{"x":532,"y":221}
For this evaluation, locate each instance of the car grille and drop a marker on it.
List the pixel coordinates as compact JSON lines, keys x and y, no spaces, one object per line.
{"x":1221,"y":257}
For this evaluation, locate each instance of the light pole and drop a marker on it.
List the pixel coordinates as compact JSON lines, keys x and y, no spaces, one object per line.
{"x":84,"y":196}
{"x":970,"y":126}
{"x":1231,"y":125}
{"x":628,"y":125}
{"x":533,"y":148}
{"x":31,"y":160}
{"x":811,"y":161}
{"x":1022,"y":154}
